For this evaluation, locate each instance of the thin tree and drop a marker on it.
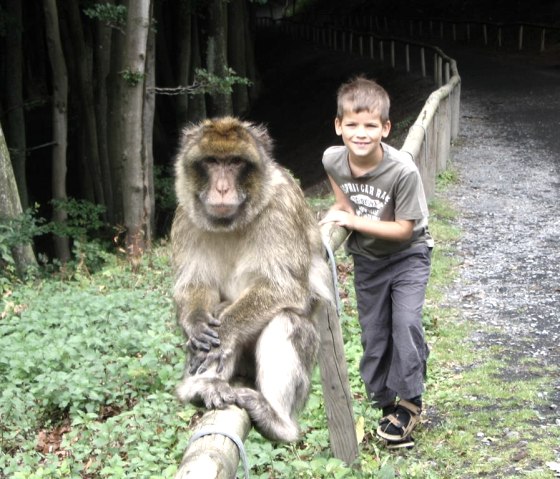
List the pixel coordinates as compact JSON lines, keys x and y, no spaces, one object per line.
{"x":60,"y":124}
{"x":216,"y":53}
{"x":136,"y":217}
{"x":10,"y":208}
{"x":15,"y":126}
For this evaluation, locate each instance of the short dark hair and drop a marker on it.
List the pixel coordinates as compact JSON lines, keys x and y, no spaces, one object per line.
{"x":363,"y":94}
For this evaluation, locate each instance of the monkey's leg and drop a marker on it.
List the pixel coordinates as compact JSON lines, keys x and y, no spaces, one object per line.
{"x":285,"y":356}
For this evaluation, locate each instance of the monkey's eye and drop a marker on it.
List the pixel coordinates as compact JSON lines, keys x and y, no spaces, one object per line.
{"x":210,"y":160}
{"x":236,"y":161}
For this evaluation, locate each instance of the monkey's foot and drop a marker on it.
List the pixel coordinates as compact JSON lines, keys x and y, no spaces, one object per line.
{"x":213,"y":393}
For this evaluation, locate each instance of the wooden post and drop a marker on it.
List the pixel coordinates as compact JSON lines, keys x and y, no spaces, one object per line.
{"x":334,"y":372}
{"x":215,"y":456}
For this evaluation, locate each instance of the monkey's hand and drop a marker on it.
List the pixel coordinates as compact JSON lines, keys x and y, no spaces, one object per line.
{"x":219,"y":358}
{"x":201,"y":332}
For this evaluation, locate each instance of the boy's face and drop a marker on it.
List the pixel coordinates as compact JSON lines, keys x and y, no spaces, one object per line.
{"x":362,"y":134}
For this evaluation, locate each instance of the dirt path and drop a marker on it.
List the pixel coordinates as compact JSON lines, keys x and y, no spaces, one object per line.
{"x":508,"y":159}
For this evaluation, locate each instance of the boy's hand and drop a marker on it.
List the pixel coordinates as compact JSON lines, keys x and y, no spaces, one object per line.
{"x":340,"y":218}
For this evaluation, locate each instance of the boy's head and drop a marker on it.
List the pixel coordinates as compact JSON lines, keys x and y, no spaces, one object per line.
{"x":361,"y":94}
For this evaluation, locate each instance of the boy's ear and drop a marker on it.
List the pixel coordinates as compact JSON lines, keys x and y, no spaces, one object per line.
{"x":337,"y":126}
{"x":386,"y":129}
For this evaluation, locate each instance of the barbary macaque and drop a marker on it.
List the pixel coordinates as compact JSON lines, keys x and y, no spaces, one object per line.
{"x":249,"y":270}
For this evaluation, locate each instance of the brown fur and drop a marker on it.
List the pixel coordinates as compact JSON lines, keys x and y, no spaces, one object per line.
{"x":248,"y":274}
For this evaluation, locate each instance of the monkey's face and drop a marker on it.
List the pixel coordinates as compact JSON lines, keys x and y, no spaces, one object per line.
{"x":222,"y":173}
{"x":222,"y":187}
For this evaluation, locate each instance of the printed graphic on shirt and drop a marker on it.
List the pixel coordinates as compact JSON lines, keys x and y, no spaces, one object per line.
{"x":368,"y":200}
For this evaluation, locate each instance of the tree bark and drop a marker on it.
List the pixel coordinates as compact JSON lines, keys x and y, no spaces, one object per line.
{"x":216,"y":53}
{"x":14,"y":98}
{"x":60,"y":122}
{"x":134,"y":77}
{"x":88,"y":121}
{"x":184,"y":48}
{"x":148,"y":129}
{"x":10,"y":207}
{"x":197,"y":104}
{"x":102,"y":63}
{"x":114,"y":125}
{"x":237,"y":16}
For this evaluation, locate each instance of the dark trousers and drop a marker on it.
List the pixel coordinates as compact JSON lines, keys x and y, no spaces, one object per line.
{"x":390,"y":294}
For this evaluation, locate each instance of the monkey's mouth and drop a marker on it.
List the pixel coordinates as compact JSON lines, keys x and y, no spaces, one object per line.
{"x":222,"y":210}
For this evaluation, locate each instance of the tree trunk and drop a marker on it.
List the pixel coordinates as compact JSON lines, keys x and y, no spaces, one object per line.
{"x":102,"y":63}
{"x":197,"y":104}
{"x":114,"y":125}
{"x":250,"y":61}
{"x":14,"y":98}
{"x":88,"y":121}
{"x":237,"y":16}
{"x":148,"y":134}
{"x":216,"y":53}
{"x":136,"y":220}
{"x":10,"y":207}
{"x":184,"y":61}
{"x":60,"y":122}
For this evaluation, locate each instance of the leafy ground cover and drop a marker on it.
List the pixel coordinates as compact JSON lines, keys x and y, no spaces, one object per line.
{"x":88,"y":368}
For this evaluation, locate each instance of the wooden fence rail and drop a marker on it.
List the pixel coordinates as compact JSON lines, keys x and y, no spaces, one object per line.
{"x":520,"y":35}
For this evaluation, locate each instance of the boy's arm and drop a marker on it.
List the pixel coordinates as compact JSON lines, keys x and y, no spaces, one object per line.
{"x":342,"y":214}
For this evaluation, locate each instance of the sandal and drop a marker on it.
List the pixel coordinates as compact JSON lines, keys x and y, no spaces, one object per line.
{"x":387,"y":411}
{"x":407,"y":443}
{"x":398,"y":426}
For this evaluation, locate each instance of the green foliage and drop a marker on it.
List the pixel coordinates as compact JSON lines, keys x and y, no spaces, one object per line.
{"x":16,"y":232}
{"x":206,"y":82}
{"x":132,"y":78}
{"x":99,"y":360}
{"x":83,"y":218}
{"x":164,"y":188}
{"x":112,"y":15}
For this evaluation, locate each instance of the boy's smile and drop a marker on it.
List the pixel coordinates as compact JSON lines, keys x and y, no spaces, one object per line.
{"x":362,"y":133}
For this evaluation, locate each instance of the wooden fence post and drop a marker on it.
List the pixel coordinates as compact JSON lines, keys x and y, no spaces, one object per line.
{"x":334,"y":372}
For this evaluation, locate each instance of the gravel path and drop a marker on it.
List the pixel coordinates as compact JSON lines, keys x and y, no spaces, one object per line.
{"x":508,"y":159}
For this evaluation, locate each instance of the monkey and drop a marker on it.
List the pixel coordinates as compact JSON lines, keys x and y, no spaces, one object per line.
{"x":250,"y":269}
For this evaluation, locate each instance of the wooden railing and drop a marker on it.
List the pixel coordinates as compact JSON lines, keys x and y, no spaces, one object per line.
{"x":519,"y":35}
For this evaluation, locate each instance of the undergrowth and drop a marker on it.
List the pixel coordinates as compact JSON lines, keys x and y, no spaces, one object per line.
{"x":88,"y":367}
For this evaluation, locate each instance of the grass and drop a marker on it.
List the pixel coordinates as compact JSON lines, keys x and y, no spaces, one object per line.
{"x":88,"y":368}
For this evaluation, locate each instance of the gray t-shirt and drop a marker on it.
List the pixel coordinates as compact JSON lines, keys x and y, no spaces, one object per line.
{"x":392,"y":191}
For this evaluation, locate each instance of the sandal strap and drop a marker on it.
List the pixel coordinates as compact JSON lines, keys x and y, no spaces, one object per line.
{"x":410,"y":407}
{"x":408,"y":428}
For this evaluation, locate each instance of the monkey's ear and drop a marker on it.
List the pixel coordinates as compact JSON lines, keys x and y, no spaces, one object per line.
{"x":189,"y":132}
{"x":262,"y":137}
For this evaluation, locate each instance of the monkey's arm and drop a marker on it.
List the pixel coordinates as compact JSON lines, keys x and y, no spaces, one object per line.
{"x":194,"y":315}
{"x":244,"y":319}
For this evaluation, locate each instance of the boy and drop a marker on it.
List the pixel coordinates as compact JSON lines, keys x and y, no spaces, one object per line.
{"x":379,"y":197}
